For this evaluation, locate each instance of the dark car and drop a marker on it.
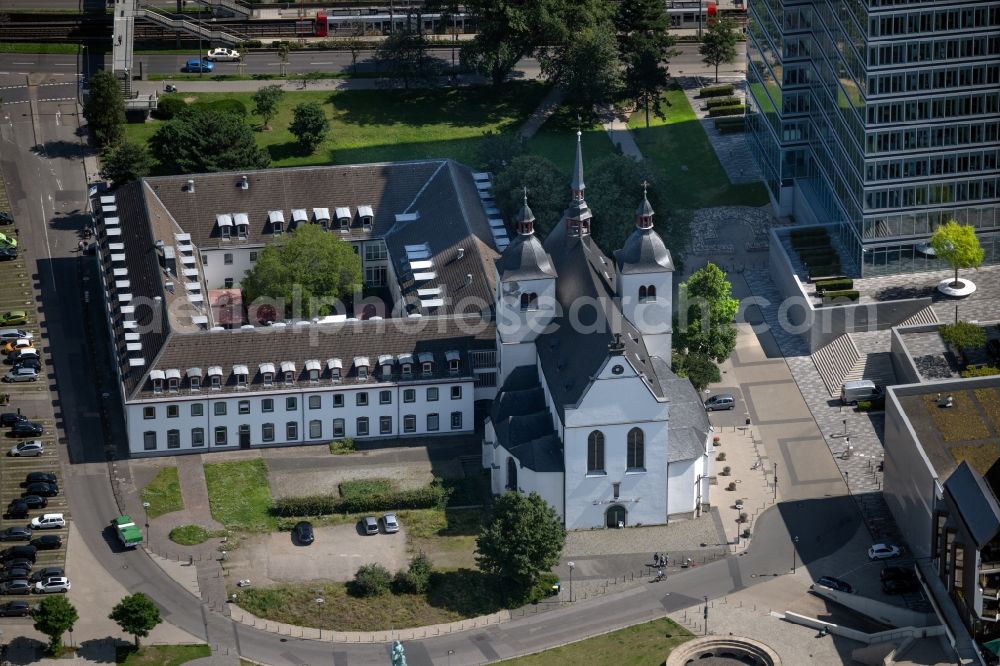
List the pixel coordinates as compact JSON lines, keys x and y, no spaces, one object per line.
{"x":8,"y":253}
{"x":39,"y":477}
{"x":898,"y":573}
{"x":16,"y":509}
{"x":19,"y":563}
{"x":33,"y":501}
{"x":48,"y":542}
{"x":15,"y":587}
{"x":16,"y":534}
{"x":26,"y":429}
{"x":18,"y":552}
{"x":8,"y":419}
{"x":303,"y":533}
{"x":899,"y":586}
{"x":46,"y":573}
{"x":15,"y":609}
{"x":6,"y":217}
{"x":28,"y":362}
{"x":15,"y":573}
{"x":41,"y":489}
{"x":835,"y":584}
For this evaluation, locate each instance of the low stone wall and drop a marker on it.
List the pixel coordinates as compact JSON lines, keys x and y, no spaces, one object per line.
{"x":723,"y":645}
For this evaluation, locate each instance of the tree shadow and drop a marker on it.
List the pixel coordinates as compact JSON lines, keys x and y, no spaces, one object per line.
{"x":285,"y":151}
{"x":64,"y":149}
{"x":466,"y":591}
{"x":24,"y":650}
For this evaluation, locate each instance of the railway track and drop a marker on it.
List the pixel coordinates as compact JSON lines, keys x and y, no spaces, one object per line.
{"x":86,"y":30}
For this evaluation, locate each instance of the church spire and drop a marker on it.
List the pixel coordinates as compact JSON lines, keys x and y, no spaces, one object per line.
{"x":577,"y":185}
{"x":578,"y":214}
{"x":525,"y":219}
{"x":644,"y":213}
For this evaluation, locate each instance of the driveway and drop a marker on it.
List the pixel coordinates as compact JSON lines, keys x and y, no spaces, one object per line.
{"x":335,"y":555}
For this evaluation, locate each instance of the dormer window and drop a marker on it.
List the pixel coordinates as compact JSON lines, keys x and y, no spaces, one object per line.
{"x":343,"y":218}
{"x":277,"y":220}
{"x":362,"y":364}
{"x":367,"y":217}
{"x":242,"y":222}
{"x":363,"y":373}
{"x":156,"y":377}
{"x":312,"y":369}
{"x":242,"y":374}
{"x":215,"y":377}
{"x":406,"y":369}
{"x":529,"y":301}
{"x":225,"y":222}
{"x":288,"y":372}
{"x":194,"y":378}
{"x":426,"y":368}
{"x":385,"y":362}
{"x":426,"y":362}
{"x":321,"y":216}
{"x":299,"y":216}
{"x":453,"y":361}
{"x":335,"y":366}
{"x":267,"y":373}
{"x":173,"y":380}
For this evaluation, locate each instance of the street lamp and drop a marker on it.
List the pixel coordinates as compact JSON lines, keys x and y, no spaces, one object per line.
{"x":145,"y":512}
{"x":450,"y":652}
{"x":572,"y":565}
{"x":795,"y":545}
{"x":706,"y":615}
{"x":775,"y":482}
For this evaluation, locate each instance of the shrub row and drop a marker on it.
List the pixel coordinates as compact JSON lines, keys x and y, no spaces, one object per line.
{"x":723,"y":101}
{"x":870,"y":405}
{"x":982,"y":371}
{"x":818,"y":255}
{"x":727,"y":124}
{"x":849,"y":294}
{"x":427,"y":497}
{"x":169,"y":106}
{"x":834,"y":285}
{"x":813,"y":232}
{"x":735,"y":110}
{"x":826,"y":270}
{"x":810,"y":241}
{"x":721,"y":90}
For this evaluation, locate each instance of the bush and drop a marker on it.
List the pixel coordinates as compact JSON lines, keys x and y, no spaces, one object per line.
{"x":731,"y":486}
{"x":721,"y":457}
{"x":428,"y":497}
{"x":252,"y":44}
{"x":811,"y":232}
{"x":825,"y":271}
{"x":728,"y":124}
{"x":850,"y":294}
{"x":983,"y":371}
{"x":723,"y":101}
{"x":726,"y":471}
{"x":371,"y":580}
{"x":834,"y":285}
{"x":233,"y":106}
{"x":746,"y":534}
{"x":733,"y":110}
{"x":416,"y":579}
{"x":169,"y":106}
{"x":342,"y":446}
{"x":871,"y":405}
{"x":962,"y":334}
{"x":721,"y":90}
{"x":743,"y":517}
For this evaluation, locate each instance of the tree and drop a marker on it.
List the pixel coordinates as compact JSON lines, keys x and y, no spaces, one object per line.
{"x":371,"y":580}
{"x":718,"y":46}
{"x":646,"y":77}
{"x":505,"y":32}
{"x":548,"y":190}
{"x":698,"y":368}
{"x":309,"y":125}
{"x":403,"y":55}
{"x":199,"y":141}
{"x":54,"y":617}
{"x":703,"y":323}
{"x":283,"y":50}
{"x":586,"y":67}
{"x":124,"y":162}
{"x":310,"y":264}
{"x":105,"y":108}
{"x":136,"y":614}
{"x":498,"y":149}
{"x":614,"y":189}
{"x":355,"y":45}
{"x":645,"y":46}
{"x":521,"y":540}
{"x":266,"y":101}
{"x":956,"y":244}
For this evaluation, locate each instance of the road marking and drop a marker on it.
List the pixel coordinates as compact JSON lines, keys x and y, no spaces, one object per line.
{"x":22,"y":63}
{"x":270,"y":63}
{"x":64,"y":64}
{"x":321,"y":63}
{"x":48,"y":250}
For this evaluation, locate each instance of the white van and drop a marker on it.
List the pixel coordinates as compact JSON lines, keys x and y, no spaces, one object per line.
{"x":861,"y":389}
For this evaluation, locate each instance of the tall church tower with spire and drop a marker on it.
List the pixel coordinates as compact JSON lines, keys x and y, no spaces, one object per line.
{"x":644,"y":270}
{"x":577,"y":216}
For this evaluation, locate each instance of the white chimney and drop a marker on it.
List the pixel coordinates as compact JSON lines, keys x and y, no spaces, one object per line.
{"x":169,"y":286}
{"x":190,"y":185}
{"x":468,"y":278}
{"x":461,"y":253}
{"x":158,"y":299}
{"x":244,"y":183}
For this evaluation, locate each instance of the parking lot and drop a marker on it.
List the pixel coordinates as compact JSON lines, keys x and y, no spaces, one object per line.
{"x":32,"y":400}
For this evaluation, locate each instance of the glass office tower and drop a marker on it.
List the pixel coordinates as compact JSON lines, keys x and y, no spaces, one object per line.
{"x":880,"y":116}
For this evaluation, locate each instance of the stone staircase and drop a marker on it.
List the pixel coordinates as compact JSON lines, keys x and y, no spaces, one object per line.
{"x":835,"y":361}
{"x":925,"y":316}
{"x":876,"y":367}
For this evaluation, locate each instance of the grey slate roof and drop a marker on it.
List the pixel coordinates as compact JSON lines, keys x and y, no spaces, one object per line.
{"x":689,"y":426}
{"x":544,"y":454}
{"x":523,"y":423}
{"x":524,"y":259}
{"x":975,"y":502}
{"x":644,"y":252}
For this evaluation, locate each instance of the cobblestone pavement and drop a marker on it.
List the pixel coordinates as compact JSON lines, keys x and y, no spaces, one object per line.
{"x":983,"y":305}
{"x":731,"y":149}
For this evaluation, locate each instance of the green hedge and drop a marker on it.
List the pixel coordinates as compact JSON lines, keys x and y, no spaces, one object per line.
{"x":727,"y":124}
{"x":834,"y":285}
{"x":723,"y":101}
{"x":871,"y":405}
{"x":427,"y":497}
{"x":721,"y":90}
{"x":814,"y":232}
{"x":169,"y":106}
{"x":822,"y":271}
{"x":735,"y":110}
{"x":849,"y":294}
{"x":811,"y":242}
{"x":983,"y":371}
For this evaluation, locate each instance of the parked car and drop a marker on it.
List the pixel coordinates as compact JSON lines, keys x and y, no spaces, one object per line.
{"x":26,"y":429}
{"x":32,"y":363}
{"x":20,"y":374}
{"x":369,"y":525}
{"x":16,"y":534}
{"x":14,"y":573}
{"x":48,"y":521}
{"x":17,"y":553}
{"x":47,"y":542}
{"x":16,"y":509}
{"x":7,"y":419}
{"x":303,"y":533}
{"x":41,"y":489}
{"x":39,"y":477}
{"x":19,"y":355}
{"x":7,"y":241}
{"x":223,"y":53}
{"x":720,"y":401}
{"x":19,"y":563}
{"x":835,"y":584}
{"x":33,"y":501}
{"x":898,"y":573}
{"x":15,"y":587}
{"x":8,"y":334}
{"x":390,"y":524}
{"x":900,"y":586}
{"x":49,"y":585}
{"x":8,"y":253}
{"x":28,"y":449}
{"x":6,"y":217}
{"x":881,"y":551}
{"x":17,"y":343}
{"x":16,"y":609}
{"x":46,"y":573}
{"x":199,"y":66}
{"x":14,"y":318}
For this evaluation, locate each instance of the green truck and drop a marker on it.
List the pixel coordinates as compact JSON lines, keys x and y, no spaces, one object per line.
{"x":128,"y":532}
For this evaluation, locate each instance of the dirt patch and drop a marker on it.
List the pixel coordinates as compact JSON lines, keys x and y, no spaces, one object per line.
{"x":326,"y":481}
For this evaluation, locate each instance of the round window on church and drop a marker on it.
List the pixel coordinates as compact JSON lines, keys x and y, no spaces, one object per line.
{"x":617,"y":370}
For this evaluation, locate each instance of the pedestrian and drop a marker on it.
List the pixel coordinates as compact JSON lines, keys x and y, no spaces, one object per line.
{"x":656,"y":559}
{"x":81,"y":246}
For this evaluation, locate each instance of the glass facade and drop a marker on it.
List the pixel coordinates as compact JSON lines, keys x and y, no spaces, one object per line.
{"x":886,"y":116}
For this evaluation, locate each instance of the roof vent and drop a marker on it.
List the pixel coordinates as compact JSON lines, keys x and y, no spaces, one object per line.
{"x":190,"y":186}
{"x":244,"y":183}
{"x":461,"y":253}
{"x":468,"y":278}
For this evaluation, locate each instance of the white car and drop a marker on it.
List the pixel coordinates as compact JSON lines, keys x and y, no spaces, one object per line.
{"x":221,"y":54}
{"x":8,"y":334}
{"x":50,"y":521}
{"x":882,"y":551}
{"x":28,"y":448}
{"x":55,"y":584}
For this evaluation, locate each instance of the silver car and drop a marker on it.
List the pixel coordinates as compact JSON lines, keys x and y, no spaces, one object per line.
{"x":369,"y":525}
{"x":389,"y":523}
{"x":21,"y":374}
{"x":27,"y":449}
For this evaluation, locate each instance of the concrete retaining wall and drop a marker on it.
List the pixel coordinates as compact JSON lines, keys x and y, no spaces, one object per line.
{"x":891,"y":635}
{"x":879,"y":611}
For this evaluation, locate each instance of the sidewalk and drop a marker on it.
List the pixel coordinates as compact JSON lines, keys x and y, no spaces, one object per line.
{"x":615,"y":123}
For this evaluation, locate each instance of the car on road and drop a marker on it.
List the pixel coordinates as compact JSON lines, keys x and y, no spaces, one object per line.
{"x":15,"y":573}
{"x":223,"y":53}
{"x":8,"y":253}
{"x":303,"y":533}
{"x":720,"y":401}
{"x":898,"y":573}
{"x":17,"y":343}
{"x":48,"y":542}
{"x":26,"y":429}
{"x":8,"y":419}
{"x":48,"y":521}
{"x":39,"y":477}
{"x":21,"y":374}
{"x":900,"y":586}
{"x":41,"y":489}
{"x":46,"y":573}
{"x":27,"y":449}
{"x":8,"y":334}
{"x":16,"y":609}
{"x":49,"y":585}
{"x":16,"y":534}
{"x":199,"y":66}
{"x":882,"y":551}
{"x":835,"y":584}
{"x":15,"y":587}
{"x":389,"y":523}
{"x":369,"y":525}
{"x":14,"y":318}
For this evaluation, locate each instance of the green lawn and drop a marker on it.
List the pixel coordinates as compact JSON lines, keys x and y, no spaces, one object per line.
{"x":33,"y":47}
{"x":163,"y":493}
{"x":679,"y":141}
{"x":190,"y":535}
{"x":160,"y":655}
{"x":641,"y":645}
{"x":239,"y":496}
{"x":556,"y":140}
{"x":387,"y":125}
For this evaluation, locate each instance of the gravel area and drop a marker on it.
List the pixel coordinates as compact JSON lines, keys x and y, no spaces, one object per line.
{"x":300,"y":483}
